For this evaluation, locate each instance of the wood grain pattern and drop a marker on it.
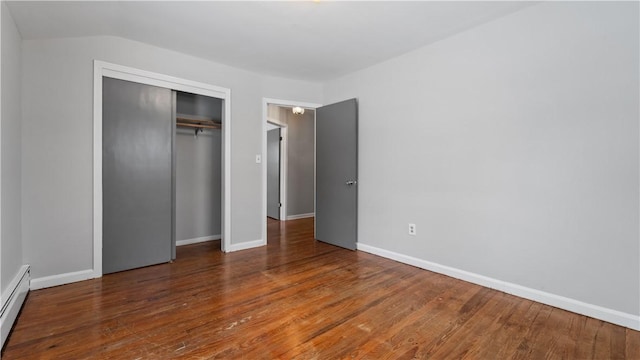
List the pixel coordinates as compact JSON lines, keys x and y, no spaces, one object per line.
{"x":303,"y":299}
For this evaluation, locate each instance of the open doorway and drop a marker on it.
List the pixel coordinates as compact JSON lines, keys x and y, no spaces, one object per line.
{"x":335,"y":170}
{"x":296,"y":165}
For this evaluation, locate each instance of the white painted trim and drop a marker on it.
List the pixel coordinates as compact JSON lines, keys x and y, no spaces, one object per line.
{"x":97,"y":169}
{"x":247,"y":245}
{"x":13,"y":285}
{"x":2,"y":295}
{"x":61,"y":279}
{"x":300,"y":216}
{"x":275,"y":121}
{"x":315,"y":171}
{"x":226,"y":185}
{"x":198,"y":240}
{"x":12,"y":300}
{"x":306,"y":105}
{"x":284,"y":170}
{"x":613,"y":316}
{"x":101,"y":69}
{"x":265,"y":119}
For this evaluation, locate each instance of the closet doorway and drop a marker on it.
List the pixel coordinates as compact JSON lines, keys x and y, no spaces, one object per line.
{"x":147,"y":177}
{"x":198,"y":168}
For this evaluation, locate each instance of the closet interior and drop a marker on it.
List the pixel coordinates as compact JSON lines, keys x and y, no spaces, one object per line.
{"x":198,"y":168}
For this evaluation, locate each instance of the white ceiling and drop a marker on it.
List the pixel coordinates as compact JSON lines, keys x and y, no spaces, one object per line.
{"x":308,"y":40}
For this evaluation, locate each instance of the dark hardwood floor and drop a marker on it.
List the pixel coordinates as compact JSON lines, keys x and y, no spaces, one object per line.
{"x":298,"y":298}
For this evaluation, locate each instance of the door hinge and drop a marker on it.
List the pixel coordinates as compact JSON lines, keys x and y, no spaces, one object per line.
{"x":280,"y":138}
{"x":279,"y":204}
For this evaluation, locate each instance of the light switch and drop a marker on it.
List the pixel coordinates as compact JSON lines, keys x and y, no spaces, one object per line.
{"x":258,"y":159}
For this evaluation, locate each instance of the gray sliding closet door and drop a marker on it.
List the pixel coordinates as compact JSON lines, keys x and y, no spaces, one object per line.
{"x":137,"y":130}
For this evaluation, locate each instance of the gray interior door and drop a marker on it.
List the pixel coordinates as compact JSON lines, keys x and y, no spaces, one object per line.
{"x":137,"y":128}
{"x":337,"y":173}
{"x":273,"y":173}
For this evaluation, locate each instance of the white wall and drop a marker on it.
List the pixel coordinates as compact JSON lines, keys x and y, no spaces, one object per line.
{"x":11,"y":234}
{"x":514,"y":149}
{"x":57,"y":140}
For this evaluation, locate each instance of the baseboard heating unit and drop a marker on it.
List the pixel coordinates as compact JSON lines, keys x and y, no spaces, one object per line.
{"x":12,"y":299}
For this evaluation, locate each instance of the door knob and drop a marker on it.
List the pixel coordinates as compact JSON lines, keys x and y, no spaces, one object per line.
{"x":351,"y":182}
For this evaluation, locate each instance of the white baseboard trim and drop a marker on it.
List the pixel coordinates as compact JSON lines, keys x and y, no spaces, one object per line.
{"x":12,"y":299}
{"x":61,"y":279}
{"x":613,"y":316}
{"x":247,"y":245}
{"x":300,"y":216}
{"x":199,"y":239}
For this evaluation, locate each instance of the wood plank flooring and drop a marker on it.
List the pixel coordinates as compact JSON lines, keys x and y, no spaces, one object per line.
{"x":303,"y":299}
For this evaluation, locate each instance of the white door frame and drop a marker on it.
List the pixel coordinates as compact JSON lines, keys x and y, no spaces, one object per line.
{"x":104,"y":69}
{"x":283,"y":160}
{"x":265,"y":103}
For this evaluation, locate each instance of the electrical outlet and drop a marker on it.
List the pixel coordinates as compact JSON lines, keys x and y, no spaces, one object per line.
{"x":412,"y":229}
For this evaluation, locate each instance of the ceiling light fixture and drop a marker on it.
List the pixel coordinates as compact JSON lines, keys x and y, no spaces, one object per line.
{"x":298,"y":110}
